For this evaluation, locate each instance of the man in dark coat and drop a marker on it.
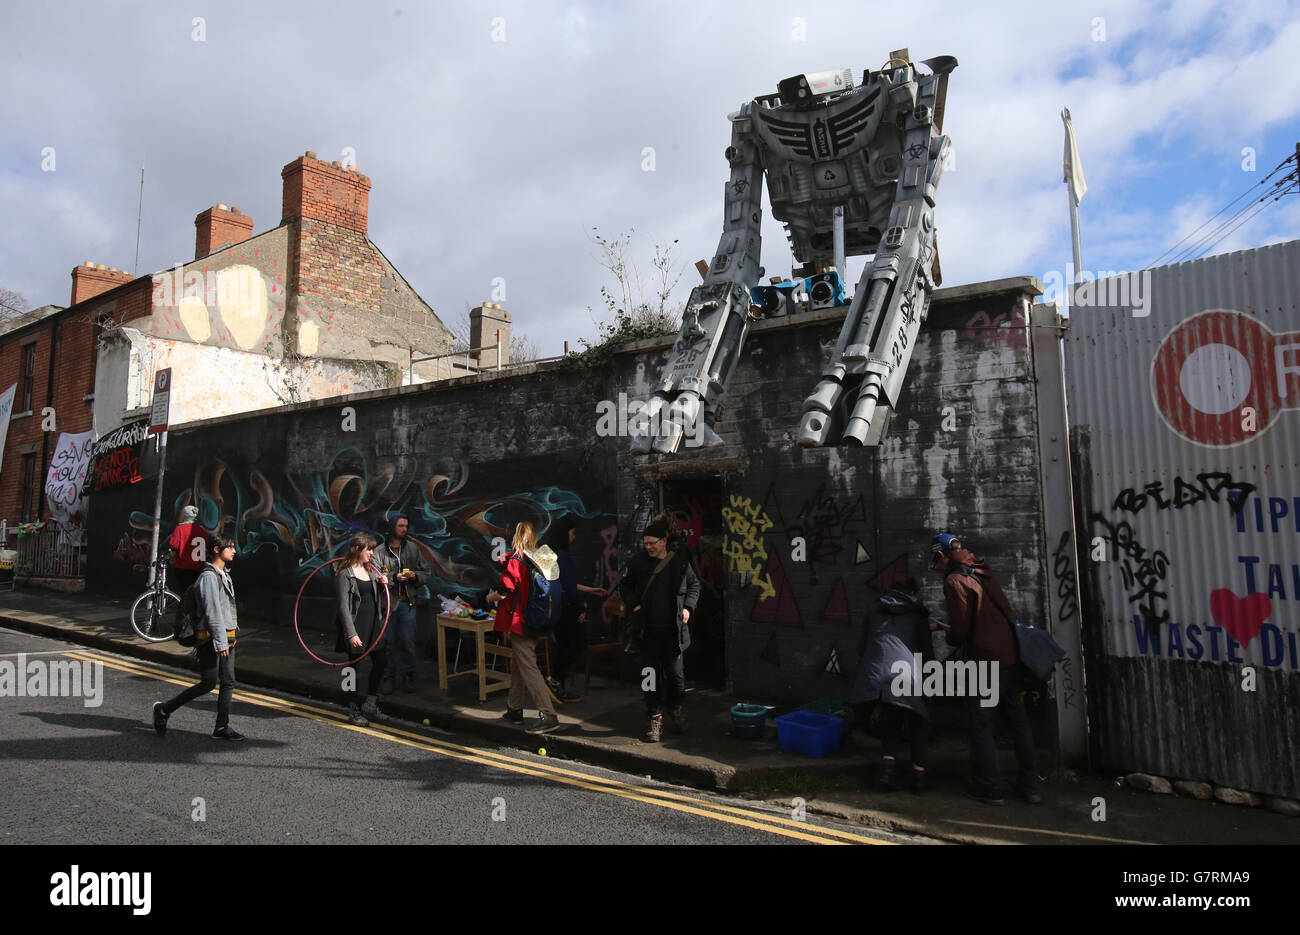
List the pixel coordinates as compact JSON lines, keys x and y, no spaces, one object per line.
{"x":980,"y":617}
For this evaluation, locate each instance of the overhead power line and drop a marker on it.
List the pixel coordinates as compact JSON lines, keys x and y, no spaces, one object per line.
{"x":1246,"y":193}
{"x":1264,"y":204}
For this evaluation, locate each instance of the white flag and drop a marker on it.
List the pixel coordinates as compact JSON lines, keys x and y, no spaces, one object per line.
{"x":6,"y":410}
{"x":1073,"y":170}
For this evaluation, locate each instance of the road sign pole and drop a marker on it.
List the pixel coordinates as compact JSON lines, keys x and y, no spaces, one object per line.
{"x":157,"y":506}
{"x":159,"y":419}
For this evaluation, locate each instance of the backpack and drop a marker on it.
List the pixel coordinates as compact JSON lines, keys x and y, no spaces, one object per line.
{"x":187,"y":611}
{"x":545,"y":600}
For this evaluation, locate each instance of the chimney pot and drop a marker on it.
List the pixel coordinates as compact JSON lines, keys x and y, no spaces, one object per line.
{"x":326,"y":192}
{"x":92,"y":279}
{"x":218,"y":226}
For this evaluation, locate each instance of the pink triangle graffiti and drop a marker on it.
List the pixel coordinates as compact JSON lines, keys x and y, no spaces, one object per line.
{"x":781,"y":606}
{"x":837,"y":605}
{"x":887,"y":576}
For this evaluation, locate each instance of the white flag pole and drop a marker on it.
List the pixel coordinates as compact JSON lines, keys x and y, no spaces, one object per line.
{"x":1075,"y":188}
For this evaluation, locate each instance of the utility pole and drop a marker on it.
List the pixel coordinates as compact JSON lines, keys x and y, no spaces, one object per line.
{"x":139,"y":213}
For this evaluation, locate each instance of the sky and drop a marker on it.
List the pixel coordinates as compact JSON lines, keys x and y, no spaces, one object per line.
{"x":500,"y":137}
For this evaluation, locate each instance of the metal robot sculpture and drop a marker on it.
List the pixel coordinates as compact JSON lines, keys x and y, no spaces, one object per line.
{"x":850,"y":170}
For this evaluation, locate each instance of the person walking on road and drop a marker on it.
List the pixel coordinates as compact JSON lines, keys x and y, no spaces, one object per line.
{"x":216,"y":624}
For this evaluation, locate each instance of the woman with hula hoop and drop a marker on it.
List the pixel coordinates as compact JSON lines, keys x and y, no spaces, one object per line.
{"x":360,"y":625}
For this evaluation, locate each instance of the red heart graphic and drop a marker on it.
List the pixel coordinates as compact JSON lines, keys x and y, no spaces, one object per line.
{"x":1240,"y":616}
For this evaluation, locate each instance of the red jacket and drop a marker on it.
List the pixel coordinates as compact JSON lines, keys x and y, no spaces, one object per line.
{"x":978,"y":606}
{"x":183,"y":538}
{"x":514,"y":582}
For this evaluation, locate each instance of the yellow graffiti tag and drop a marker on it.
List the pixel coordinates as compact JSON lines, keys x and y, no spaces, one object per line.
{"x":744,"y":548}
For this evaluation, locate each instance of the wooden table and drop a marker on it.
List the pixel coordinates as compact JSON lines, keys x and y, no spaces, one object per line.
{"x":489,"y":680}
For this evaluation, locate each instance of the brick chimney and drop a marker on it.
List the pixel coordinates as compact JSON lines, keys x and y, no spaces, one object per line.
{"x":325,"y":191}
{"x":90,"y":280}
{"x":484,"y":323}
{"x":219,"y":226}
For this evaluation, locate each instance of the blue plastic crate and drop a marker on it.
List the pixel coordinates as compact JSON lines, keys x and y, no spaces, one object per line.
{"x":808,"y":733}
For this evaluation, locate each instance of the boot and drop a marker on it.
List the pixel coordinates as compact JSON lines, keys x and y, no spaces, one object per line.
{"x":888,"y":776}
{"x":370,"y":708}
{"x":386,"y":685}
{"x":918,"y":781}
{"x":677,"y":717}
{"x":355,"y":717}
{"x":408,"y":683}
{"x":654,"y":729}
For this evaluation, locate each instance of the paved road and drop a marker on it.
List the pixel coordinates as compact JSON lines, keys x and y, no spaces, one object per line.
{"x":77,"y":772}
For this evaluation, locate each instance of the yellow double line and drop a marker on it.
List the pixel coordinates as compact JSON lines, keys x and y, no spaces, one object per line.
{"x":663,"y":798}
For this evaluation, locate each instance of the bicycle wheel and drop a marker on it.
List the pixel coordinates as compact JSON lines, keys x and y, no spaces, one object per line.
{"x":154,"y":620}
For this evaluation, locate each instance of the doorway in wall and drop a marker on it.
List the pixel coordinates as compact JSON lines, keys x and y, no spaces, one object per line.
{"x":696,"y":504}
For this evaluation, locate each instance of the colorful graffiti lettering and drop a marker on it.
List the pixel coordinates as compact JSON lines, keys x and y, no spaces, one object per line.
{"x":743,"y":547}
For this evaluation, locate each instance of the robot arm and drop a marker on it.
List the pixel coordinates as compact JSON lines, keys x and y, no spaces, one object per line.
{"x":862,"y":381}
{"x":716,"y":320}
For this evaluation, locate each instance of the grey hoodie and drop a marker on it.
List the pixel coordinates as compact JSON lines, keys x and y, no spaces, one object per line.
{"x":216,"y":600}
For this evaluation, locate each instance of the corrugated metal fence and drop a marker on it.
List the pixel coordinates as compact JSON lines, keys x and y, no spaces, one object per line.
{"x":1184,"y":391}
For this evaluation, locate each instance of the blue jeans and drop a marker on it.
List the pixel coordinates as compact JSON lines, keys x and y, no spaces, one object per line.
{"x":985,"y":778}
{"x":400,"y":640}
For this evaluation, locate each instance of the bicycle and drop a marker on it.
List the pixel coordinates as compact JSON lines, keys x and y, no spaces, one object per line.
{"x":153,"y":615}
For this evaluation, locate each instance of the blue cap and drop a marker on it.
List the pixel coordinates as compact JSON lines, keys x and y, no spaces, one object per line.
{"x":944,"y":542}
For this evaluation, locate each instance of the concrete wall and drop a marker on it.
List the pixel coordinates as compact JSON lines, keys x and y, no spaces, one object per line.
{"x":960,"y":456}
{"x":465,"y":460}
{"x":469,"y":457}
{"x":209,"y":382}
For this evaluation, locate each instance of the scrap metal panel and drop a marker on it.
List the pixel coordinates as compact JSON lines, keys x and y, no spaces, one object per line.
{"x":1184,"y":390}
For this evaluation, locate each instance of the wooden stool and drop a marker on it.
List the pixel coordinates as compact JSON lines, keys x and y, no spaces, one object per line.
{"x":608,"y":664}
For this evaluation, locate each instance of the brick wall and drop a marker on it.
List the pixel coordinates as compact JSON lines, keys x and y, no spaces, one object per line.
{"x":345,"y":299}
{"x":64,"y":390}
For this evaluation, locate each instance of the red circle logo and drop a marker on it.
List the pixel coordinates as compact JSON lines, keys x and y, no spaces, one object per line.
{"x":1215,"y":378}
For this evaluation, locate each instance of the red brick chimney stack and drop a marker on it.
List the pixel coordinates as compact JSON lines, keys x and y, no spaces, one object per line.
{"x":218,"y":226}
{"x":325,"y":191}
{"x":90,"y":280}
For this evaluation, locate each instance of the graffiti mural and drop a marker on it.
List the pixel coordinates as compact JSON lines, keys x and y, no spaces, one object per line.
{"x":307,"y":520}
{"x":1243,"y":624}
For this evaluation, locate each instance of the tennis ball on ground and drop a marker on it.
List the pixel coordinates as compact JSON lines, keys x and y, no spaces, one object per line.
{"x":425,"y":722}
{"x":541,"y":751}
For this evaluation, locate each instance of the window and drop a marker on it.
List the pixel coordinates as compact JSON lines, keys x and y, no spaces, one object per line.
{"x":29,"y":488}
{"x":26,"y":377}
